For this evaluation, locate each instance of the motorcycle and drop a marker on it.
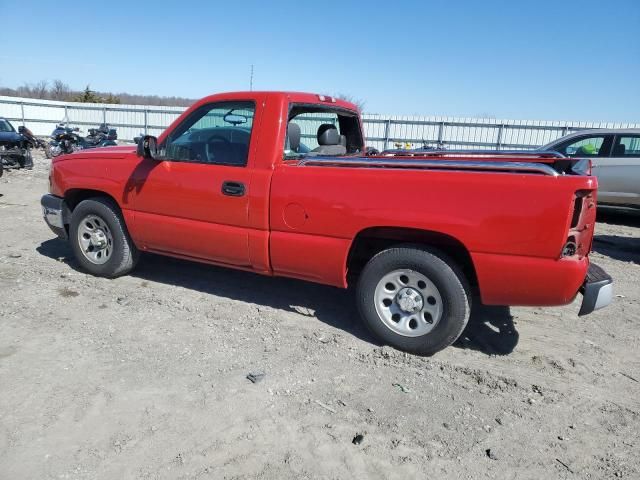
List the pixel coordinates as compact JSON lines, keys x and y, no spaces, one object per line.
{"x":68,"y":140}
{"x":101,"y":137}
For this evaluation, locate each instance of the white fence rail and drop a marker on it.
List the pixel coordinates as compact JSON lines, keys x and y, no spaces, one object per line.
{"x":381,"y":131}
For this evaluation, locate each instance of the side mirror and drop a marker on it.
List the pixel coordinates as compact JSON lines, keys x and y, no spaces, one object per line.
{"x":148,"y":147}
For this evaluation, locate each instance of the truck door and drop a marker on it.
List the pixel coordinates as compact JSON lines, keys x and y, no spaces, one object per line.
{"x":194,"y":200}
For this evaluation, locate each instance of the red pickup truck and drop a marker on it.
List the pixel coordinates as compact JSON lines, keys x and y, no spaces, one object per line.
{"x":282,"y":184}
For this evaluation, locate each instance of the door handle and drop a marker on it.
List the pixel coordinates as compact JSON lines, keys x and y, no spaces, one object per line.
{"x":233,"y":189}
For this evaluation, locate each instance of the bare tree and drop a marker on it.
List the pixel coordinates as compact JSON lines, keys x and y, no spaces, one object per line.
{"x":350,"y":98}
{"x":60,"y":91}
{"x":40,"y":89}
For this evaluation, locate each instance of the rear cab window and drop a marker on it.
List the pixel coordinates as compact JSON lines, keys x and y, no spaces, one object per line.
{"x":315,"y":130}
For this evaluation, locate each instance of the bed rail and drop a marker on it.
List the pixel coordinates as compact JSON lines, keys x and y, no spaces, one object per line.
{"x":378,"y":162}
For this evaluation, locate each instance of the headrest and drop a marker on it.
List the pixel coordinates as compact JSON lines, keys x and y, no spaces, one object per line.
{"x":618,"y":150}
{"x":293,"y":135}
{"x":328,"y":135}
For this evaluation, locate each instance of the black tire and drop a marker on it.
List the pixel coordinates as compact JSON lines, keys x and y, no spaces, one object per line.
{"x":445,"y":275}
{"x":124,"y":255}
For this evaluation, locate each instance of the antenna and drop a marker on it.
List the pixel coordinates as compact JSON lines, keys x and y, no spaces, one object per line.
{"x":251,"y":79}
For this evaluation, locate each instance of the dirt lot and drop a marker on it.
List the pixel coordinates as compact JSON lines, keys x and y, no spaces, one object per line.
{"x":145,"y":376}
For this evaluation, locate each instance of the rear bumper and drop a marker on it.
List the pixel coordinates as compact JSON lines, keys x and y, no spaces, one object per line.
{"x":540,"y":282}
{"x":56,"y":214}
{"x":597,"y":290}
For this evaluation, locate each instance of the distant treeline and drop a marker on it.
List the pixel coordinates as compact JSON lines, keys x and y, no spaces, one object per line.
{"x":58,"y":90}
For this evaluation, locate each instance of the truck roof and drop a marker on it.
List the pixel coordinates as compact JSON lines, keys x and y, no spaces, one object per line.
{"x":297,"y":97}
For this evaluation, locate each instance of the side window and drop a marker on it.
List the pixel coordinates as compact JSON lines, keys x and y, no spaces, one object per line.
{"x":585,"y":147}
{"x":5,"y":126}
{"x":216,"y":133}
{"x":627,"y":146}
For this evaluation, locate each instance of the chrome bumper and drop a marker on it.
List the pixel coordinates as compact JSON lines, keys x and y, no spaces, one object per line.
{"x":56,"y":214}
{"x":597,"y":290}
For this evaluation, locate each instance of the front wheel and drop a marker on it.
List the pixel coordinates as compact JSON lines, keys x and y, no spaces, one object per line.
{"x":100,"y":240}
{"x":414,"y":299}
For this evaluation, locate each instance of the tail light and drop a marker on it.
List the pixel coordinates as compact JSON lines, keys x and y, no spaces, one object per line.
{"x":580,"y":232}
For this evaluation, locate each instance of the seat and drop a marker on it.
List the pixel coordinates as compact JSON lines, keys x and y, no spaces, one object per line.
{"x":619,"y":150}
{"x":219,"y":152}
{"x":329,"y":141}
{"x":293,"y":137}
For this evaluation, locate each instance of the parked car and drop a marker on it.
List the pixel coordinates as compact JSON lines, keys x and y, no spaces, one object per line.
{"x":15,"y":147}
{"x":228,"y":184}
{"x":615,"y":156}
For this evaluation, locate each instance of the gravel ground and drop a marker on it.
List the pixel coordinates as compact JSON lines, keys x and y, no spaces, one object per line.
{"x":145,"y":376}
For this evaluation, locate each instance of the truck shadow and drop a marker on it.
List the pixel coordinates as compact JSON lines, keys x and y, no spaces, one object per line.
{"x":490,"y":329}
{"x":618,"y":216}
{"x":617,"y":247}
{"x":330,"y":305}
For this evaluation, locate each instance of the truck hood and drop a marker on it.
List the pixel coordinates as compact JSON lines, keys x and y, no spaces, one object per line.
{"x":102,"y":152}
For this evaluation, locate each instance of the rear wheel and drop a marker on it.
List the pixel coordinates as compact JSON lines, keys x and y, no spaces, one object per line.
{"x":100,"y":240}
{"x":414,"y":299}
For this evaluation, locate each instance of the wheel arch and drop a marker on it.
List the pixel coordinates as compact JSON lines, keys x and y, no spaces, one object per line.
{"x":372,"y":240}
{"x":73,"y":196}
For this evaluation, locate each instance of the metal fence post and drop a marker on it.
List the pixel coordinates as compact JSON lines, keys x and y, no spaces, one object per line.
{"x":22,"y":109}
{"x":499,"y":140}
{"x":387,"y":128}
{"x":440,"y":134}
{"x":146,"y":123}
{"x":104,"y":115}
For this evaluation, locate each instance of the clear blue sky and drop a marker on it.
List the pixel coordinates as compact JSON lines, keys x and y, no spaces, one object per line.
{"x":538,"y":59}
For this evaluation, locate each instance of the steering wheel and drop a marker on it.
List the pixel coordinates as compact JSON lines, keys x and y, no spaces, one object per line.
{"x":212,"y":139}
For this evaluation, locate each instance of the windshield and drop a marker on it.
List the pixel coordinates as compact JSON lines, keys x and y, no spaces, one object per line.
{"x":315,"y":130}
{"x":5,"y":126}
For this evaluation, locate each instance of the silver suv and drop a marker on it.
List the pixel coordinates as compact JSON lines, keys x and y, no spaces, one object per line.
{"x":615,"y":155}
